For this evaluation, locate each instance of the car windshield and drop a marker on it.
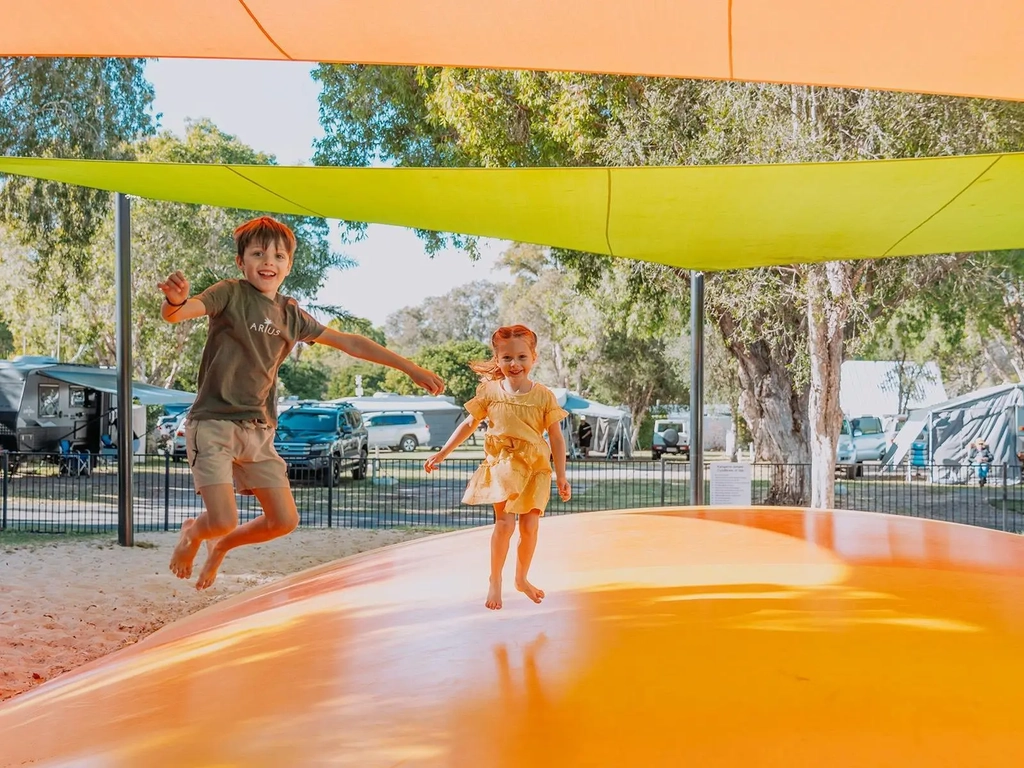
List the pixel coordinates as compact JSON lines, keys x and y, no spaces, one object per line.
{"x":312,"y":421}
{"x":670,"y":425}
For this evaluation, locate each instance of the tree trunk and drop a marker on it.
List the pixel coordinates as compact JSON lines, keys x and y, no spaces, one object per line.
{"x":828,"y":306}
{"x":776,"y":411}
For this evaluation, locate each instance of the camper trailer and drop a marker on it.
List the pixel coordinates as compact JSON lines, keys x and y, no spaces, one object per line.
{"x":43,"y":403}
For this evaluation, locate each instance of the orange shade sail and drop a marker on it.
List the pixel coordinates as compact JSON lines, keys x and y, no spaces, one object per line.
{"x":960,"y":47}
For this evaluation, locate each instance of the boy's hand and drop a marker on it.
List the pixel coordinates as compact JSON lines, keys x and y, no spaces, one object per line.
{"x":433,"y":462}
{"x":175,"y":288}
{"x":564,"y":489}
{"x":431,"y":382}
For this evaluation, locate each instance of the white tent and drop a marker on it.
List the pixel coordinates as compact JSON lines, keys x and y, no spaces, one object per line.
{"x":612,"y":427}
{"x":994,"y":414}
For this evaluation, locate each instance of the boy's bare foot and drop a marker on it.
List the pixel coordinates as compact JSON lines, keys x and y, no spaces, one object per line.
{"x":529,"y":590}
{"x":494,"y":595}
{"x":184,"y":552}
{"x":208,"y":573}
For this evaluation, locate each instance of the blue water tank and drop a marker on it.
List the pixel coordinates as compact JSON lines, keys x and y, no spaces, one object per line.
{"x":919,"y":453}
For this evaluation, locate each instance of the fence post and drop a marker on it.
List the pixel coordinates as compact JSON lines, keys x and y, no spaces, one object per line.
{"x":1004,"y":496}
{"x":330,"y":490}
{"x":167,"y":492}
{"x":662,"y":481}
{"x":6,"y":466}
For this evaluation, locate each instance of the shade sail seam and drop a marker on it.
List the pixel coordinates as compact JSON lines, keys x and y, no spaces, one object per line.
{"x":608,"y":214}
{"x":729,"y":33}
{"x":278,"y":195}
{"x":266,"y":34}
{"x":943,"y":206}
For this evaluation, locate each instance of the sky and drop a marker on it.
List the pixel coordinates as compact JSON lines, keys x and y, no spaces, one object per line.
{"x":393,"y":270}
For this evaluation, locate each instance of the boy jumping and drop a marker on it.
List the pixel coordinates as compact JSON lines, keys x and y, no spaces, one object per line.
{"x":229,"y":437}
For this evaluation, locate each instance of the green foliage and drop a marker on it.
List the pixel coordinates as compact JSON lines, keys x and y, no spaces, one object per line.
{"x":343,"y":381}
{"x":303,"y":379}
{"x":6,"y":340}
{"x":165,"y":237}
{"x":431,"y":116}
{"x":450,"y":361}
{"x":466,"y":313}
{"x":645,"y":432}
{"x":52,"y":107}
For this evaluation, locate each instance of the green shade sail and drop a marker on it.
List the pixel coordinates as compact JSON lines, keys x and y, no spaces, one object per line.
{"x":695,"y":217}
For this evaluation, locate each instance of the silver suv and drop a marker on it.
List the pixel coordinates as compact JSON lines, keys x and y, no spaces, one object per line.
{"x":397,"y":430}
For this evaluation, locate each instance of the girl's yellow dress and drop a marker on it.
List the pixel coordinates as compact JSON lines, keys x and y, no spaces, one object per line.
{"x":517,"y":458}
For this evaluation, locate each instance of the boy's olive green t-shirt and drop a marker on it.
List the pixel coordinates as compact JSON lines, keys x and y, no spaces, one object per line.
{"x":249,"y":337}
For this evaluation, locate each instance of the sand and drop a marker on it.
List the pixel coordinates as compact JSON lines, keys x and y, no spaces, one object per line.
{"x":65,"y":601}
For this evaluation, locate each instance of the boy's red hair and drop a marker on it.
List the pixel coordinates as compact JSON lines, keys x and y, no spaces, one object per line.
{"x":489,"y":369}
{"x":265,"y":231}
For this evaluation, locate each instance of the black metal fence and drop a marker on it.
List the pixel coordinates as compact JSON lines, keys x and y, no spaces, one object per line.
{"x":64,"y":494}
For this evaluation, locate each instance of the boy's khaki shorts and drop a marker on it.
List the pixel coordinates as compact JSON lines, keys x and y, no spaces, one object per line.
{"x":240,"y":452}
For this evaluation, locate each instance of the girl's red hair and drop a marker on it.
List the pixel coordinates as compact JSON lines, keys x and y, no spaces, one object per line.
{"x":488,"y":369}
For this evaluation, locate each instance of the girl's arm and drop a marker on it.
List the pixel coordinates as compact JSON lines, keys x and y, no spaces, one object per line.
{"x":557,"y":442}
{"x":459,"y":436}
{"x":365,"y":349}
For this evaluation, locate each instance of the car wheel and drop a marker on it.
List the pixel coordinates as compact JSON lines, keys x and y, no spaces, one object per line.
{"x":851,"y":472}
{"x":359,"y":473}
{"x":656,"y":455}
{"x":858,"y":470}
{"x":408,"y":444}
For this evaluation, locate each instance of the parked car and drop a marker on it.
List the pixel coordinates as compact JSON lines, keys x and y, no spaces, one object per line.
{"x":318,"y":439}
{"x":670,"y":436}
{"x":869,"y":436}
{"x":846,"y":453}
{"x":177,"y":429}
{"x":397,"y":430}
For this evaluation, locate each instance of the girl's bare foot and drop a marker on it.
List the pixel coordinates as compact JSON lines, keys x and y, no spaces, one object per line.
{"x":184,"y":552}
{"x":529,"y":590}
{"x":494,"y":595}
{"x":208,"y":574}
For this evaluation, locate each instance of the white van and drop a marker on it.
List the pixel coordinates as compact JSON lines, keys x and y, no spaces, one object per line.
{"x":397,"y":430}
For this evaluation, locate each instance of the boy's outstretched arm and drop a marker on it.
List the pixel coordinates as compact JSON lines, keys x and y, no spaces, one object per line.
{"x":459,"y":436}
{"x":365,"y":349}
{"x":178,"y":306}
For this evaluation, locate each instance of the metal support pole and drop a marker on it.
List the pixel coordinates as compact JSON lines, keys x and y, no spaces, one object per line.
{"x":5,"y":461}
{"x":330,"y":490}
{"x":167,"y":487}
{"x":662,"y":463}
{"x":1006,"y":468}
{"x":125,"y":443}
{"x":697,"y":389}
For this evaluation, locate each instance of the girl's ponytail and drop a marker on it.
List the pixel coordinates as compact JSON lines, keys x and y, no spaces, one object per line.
{"x":487,"y":370}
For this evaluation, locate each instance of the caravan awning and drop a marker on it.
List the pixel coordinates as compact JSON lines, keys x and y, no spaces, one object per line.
{"x":105,"y":380}
{"x":581,"y":406}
